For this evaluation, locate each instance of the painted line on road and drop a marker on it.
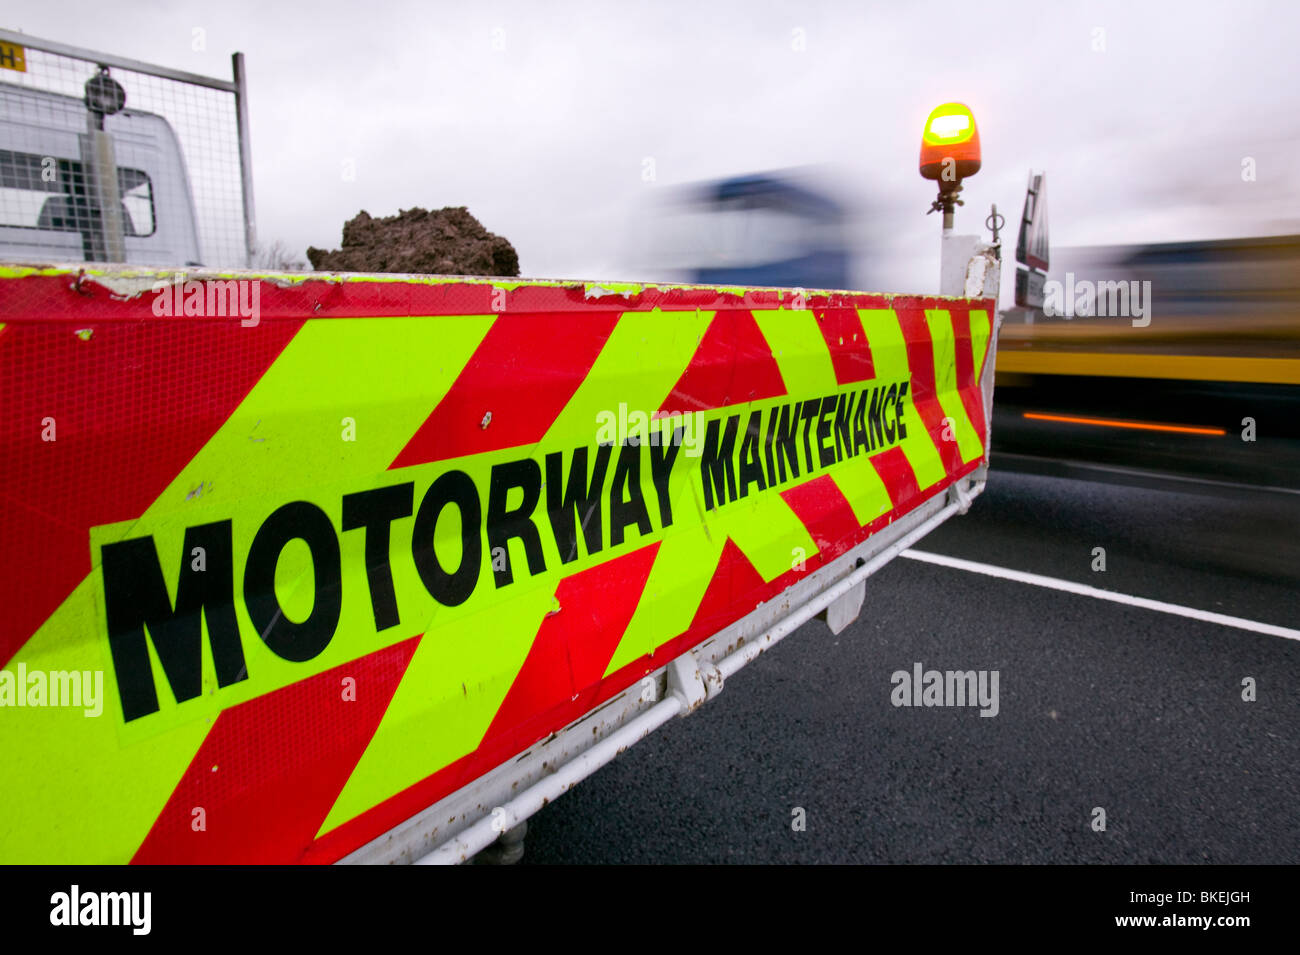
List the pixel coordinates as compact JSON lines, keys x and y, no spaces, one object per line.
{"x":1083,"y":590}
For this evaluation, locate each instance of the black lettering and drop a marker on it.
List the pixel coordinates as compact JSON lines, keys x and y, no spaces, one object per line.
{"x":751,"y":469}
{"x":289,"y":639}
{"x":899,"y":409}
{"x":889,"y":424}
{"x":504,"y":524}
{"x":875,"y":426}
{"x":772,"y":416}
{"x":808,"y":412}
{"x":136,"y":600}
{"x":375,"y":511}
{"x":661,"y":469}
{"x":843,"y":439}
{"x":566,"y":504}
{"x":449,"y":589}
{"x":714,"y":459}
{"x":787,"y":434}
{"x":860,"y":443}
{"x":627,"y":477}
{"x":825,"y":454}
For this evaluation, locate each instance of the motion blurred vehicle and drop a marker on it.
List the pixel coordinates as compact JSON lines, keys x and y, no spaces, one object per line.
{"x":1207,"y":391}
{"x":765,"y":229}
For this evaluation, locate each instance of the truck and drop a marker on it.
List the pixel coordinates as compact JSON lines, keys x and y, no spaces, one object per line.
{"x":318,"y":568}
{"x":1199,"y":391}
{"x":46,"y":181}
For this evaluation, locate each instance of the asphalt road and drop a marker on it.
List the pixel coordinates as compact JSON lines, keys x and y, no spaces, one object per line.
{"x":1100,"y":705}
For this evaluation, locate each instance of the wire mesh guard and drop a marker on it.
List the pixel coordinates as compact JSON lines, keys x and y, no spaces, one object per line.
{"x":106,"y":164}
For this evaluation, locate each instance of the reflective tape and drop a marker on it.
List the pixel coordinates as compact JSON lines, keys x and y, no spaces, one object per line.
{"x":337,"y":559}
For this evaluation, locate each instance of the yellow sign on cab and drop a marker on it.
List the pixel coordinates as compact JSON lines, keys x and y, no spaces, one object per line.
{"x":13,"y":57}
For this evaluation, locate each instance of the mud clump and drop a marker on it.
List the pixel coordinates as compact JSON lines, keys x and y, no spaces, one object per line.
{"x":449,"y":241}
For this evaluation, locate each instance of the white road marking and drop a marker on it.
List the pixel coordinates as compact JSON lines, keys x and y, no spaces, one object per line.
{"x":1083,"y":590}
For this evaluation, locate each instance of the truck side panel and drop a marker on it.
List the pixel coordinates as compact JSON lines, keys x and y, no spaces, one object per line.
{"x":341,"y":547}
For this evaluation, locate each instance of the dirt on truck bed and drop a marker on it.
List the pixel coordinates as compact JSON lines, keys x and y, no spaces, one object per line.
{"x":449,"y":241}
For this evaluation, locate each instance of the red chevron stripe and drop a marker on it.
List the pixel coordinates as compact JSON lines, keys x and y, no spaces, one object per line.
{"x":968,"y":386}
{"x":735,"y":589}
{"x":574,"y":645}
{"x":850,"y":352}
{"x":823,"y":509}
{"x":899,"y":478}
{"x":131,"y":405}
{"x":920,"y":359}
{"x":732,"y":365}
{"x":523,"y":372}
{"x":270,"y":770}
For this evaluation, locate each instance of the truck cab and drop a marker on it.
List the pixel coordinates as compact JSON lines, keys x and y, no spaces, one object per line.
{"x":47,"y":212}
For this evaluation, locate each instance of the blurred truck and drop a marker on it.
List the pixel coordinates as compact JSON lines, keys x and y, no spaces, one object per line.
{"x":760,"y":229}
{"x":1171,"y":364}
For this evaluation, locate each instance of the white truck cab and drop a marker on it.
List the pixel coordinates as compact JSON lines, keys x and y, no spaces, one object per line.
{"x":47,"y":210}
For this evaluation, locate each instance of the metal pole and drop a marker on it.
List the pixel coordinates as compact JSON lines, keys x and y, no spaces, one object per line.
{"x":106,"y":222}
{"x":245,"y":157}
{"x":484,"y":832}
{"x":947,"y":252}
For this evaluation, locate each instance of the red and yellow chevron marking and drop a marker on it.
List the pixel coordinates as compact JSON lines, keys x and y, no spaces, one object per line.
{"x":335,"y":560}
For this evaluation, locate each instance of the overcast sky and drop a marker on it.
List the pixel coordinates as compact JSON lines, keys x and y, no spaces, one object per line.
{"x":540,"y":116}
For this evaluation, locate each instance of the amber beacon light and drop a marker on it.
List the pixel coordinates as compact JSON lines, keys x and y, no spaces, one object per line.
{"x":950,"y":151}
{"x":950,"y":144}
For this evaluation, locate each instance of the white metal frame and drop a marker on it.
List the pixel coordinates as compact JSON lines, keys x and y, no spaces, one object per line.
{"x":238,"y":85}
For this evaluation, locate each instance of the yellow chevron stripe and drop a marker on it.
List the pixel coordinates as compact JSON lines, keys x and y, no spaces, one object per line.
{"x":861,"y":484}
{"x":433,"y":720}
{"x":672,"y":594}
{"x":638,"y":367}
{"x":766,"y":532}
{"x":799,"y":350}
{"x":980,"y":329}
{"x":889,"y":356}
